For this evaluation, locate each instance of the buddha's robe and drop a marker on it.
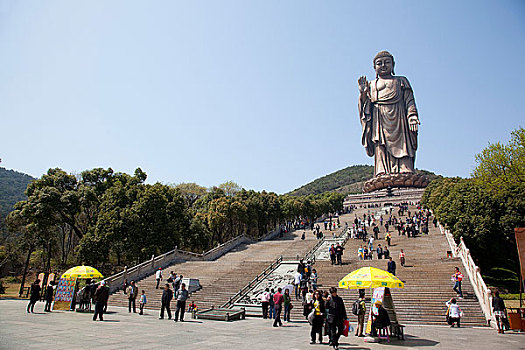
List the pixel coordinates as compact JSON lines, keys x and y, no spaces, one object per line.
{"x":384,"y":117}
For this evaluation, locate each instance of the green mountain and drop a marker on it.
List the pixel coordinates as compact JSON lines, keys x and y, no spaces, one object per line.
{"x":12,"y":187}
{"x":344,"y":178}
{"x":347,"y":180}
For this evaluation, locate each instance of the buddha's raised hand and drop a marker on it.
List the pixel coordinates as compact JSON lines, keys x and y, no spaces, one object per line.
{"x":363,"y":84}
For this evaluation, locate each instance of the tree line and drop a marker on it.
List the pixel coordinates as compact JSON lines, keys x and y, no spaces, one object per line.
{"x":486,"y":208}
{"x":108,"y":219}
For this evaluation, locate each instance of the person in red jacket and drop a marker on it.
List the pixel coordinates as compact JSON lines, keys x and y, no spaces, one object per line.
{"x":457,"y":277}
{"x":278,"y":304}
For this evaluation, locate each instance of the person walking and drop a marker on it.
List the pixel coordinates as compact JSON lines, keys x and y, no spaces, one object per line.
{"x":335,"y":316}
{"x":332,"y":254}
{"x":313,"y":279}
{"x":125,"y":286}
{"x":388,"y":238}
{"x":49,"y":296}
{"x":498,"y":306}
{"x":318,"y":320}
{"x":287,"y":303}
{"x":271,"y":309}
{"x":278,"y":304}
{"x":391,"y":266}
{"x":379,"y":251}
{"x":158,"y":277}
{"x":454,"y":312}
{"x":176,"y":282}
{"x":101,"y":297}
{"x":181,"y":296}
{"x":133,"y":290}
{"x":361,"y":312}
{"x":142,"y":302}
{"x":297,"y":284}
{"x":386,"y":253}
{"x":34,"y":296}
{"x":167,"y":296}
{"x":376,"y":232}
{"x":339,"y":253}
{"x":457,"y":277}
{"x":265,"y":302}
{"x":402,"y":257}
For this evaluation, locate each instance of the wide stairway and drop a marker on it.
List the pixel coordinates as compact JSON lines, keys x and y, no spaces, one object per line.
{"x":222,"y":278}
{"x":427,"y":277}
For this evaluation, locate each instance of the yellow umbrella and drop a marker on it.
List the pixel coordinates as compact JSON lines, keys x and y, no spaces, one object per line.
{"x":370,"y":277}
{"x":82,"y":272}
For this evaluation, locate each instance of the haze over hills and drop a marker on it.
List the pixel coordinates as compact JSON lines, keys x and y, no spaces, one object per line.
{"x":347,"y":180}
{"x":12,"y":188}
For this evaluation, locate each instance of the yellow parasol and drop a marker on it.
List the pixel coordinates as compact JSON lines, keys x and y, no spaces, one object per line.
{"x":82,"y":272}
{"x":370,"y":277}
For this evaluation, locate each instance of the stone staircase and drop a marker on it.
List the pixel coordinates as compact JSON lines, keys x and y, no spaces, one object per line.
{"x":222,"y":278}
{"x":426,"y":275}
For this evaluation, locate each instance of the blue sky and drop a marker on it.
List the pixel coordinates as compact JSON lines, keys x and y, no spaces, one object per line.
{"x":263,"y":93}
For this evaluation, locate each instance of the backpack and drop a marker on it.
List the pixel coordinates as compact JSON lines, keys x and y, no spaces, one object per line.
{"x":356,"y":307}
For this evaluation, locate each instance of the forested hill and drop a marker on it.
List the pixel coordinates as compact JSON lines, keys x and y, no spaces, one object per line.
{"x":347,"y":180}
{"x":12,"y":187}
{"x":346,"y":177}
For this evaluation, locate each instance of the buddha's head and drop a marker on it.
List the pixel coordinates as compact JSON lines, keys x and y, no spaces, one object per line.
{"x":384,"y":64}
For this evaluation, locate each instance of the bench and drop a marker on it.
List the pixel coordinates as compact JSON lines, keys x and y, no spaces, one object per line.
{"x":397,"y":330}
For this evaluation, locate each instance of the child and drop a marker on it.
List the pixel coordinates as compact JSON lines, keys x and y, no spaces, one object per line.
{"x":142,"y":301}
{"x":192,"y":307}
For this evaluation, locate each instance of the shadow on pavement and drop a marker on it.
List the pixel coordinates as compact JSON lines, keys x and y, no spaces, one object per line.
{"x":351,"y":346}
{"x":411,"y":341}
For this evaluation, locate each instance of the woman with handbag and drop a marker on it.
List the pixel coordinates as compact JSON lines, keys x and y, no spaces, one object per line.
{"x":316,"y":317}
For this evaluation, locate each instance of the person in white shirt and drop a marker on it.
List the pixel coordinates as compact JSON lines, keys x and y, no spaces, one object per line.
{"x":454,"y":312}
{"x":265,"y":301}
{"x":158,"y":277}
{"x":297,"y":284}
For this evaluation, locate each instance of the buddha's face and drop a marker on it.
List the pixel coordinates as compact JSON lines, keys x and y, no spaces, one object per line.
{"x":384,"y":66}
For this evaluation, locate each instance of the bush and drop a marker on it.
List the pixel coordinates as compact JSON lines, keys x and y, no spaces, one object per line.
{"x":510,"y":296}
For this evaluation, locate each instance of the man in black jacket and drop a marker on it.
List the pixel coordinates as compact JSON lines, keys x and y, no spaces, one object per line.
{"x":335,"y":316}
{"x":391,"y":266}
{"x":101,"y":297}
{"x":167,"y":295}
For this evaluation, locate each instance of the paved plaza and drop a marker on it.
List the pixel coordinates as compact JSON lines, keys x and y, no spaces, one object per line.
{"x":121,"y":330}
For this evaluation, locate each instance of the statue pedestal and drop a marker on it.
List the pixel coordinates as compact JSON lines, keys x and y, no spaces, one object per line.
{"x":396,"y":180}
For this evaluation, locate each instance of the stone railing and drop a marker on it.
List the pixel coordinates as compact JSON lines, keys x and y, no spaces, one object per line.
{"x":253,"y":282}
{"x":271,"y":235}
{"x":483,"y":294}
{"x":147,"y":268}
{"x":310,"y":255}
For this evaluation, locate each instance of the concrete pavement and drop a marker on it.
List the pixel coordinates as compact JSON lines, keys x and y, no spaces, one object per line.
{"x":122,"y":330}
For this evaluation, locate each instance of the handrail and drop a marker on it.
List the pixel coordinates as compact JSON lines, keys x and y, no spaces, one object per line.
{"x":483,"y":293}
{"x":147,"y":267}
{"x":269,"y":269}
{"x":272,"y":267}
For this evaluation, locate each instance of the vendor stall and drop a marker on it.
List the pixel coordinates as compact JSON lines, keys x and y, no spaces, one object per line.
{"x":371,"y":277}
{"x":70,"y":284}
